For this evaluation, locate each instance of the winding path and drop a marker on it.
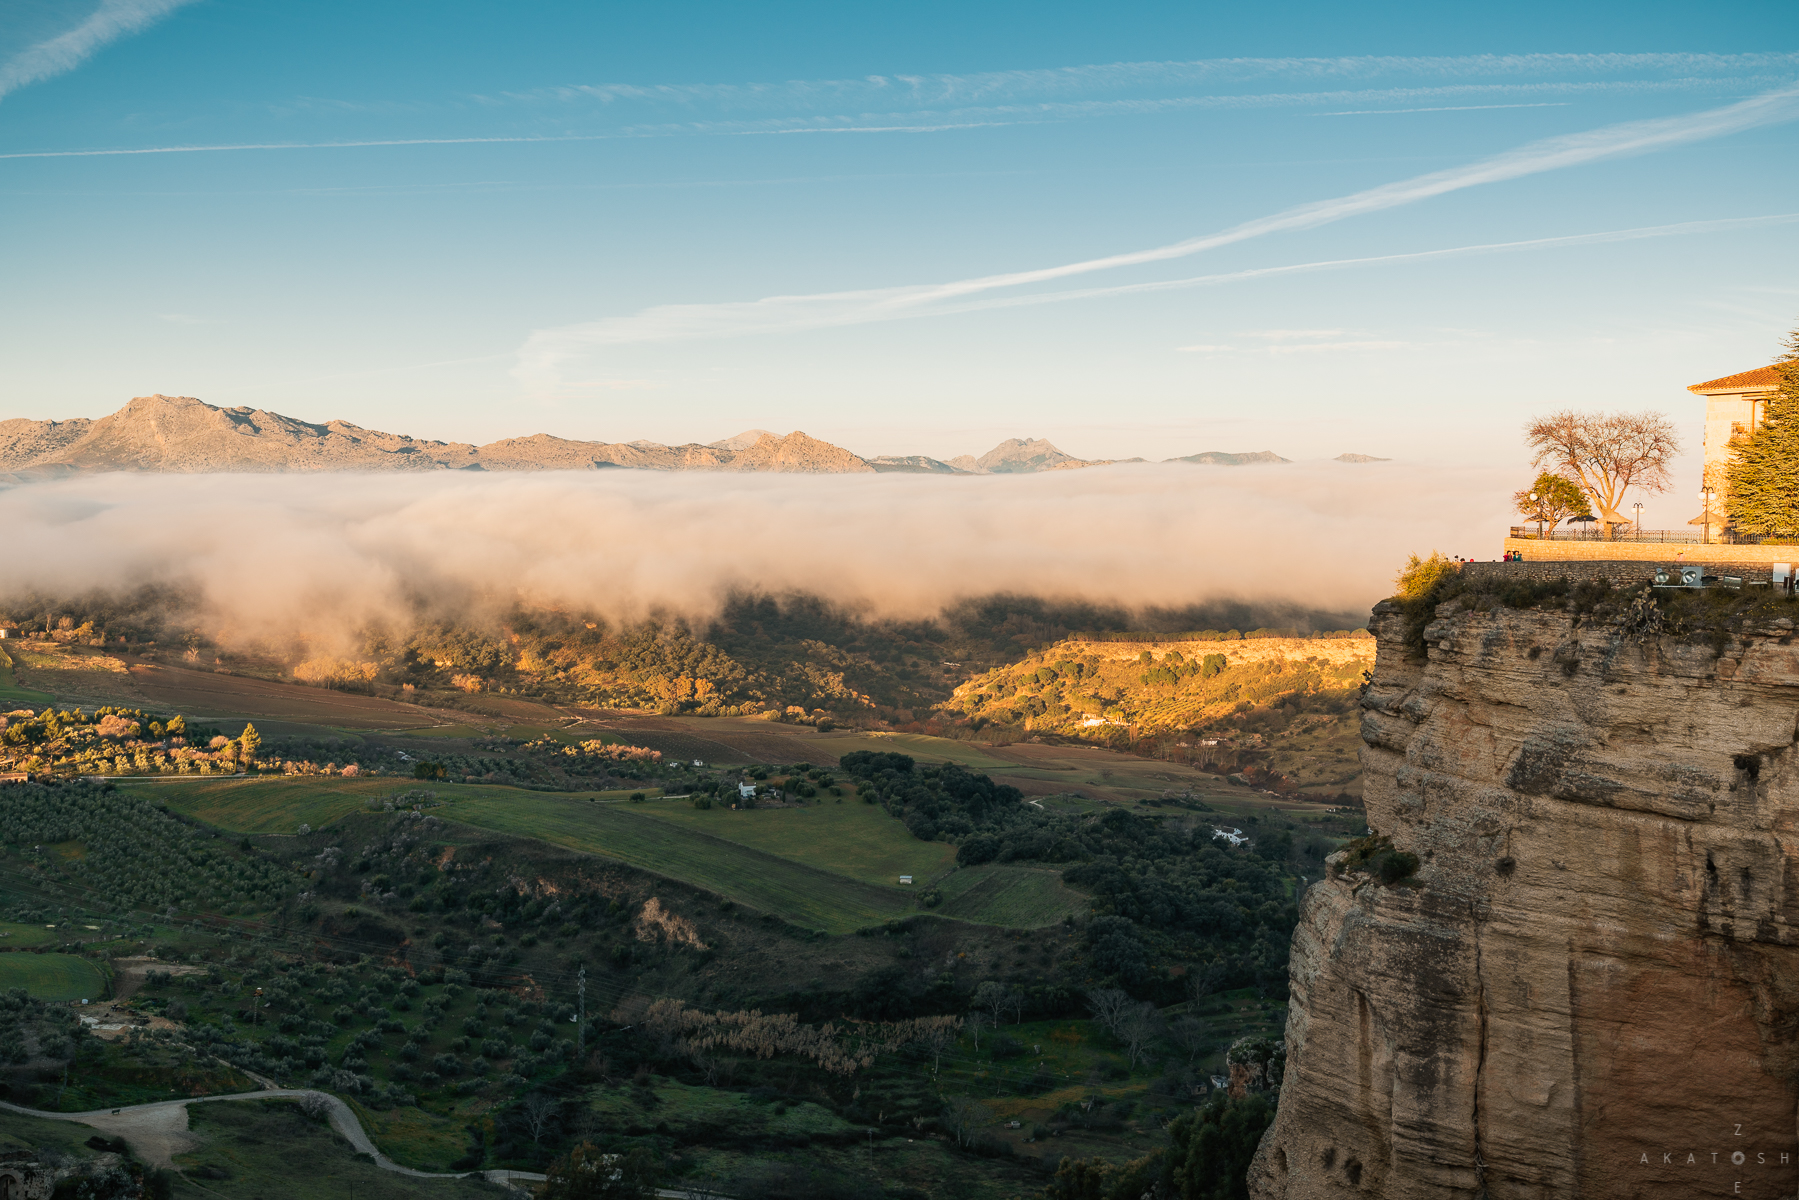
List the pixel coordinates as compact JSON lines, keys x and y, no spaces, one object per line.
{"x":157,"y":1132}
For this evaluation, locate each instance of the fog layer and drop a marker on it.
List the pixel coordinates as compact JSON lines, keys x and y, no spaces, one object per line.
{"x":325,"y":554}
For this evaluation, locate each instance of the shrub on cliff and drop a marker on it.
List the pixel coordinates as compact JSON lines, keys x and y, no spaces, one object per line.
{"x":1377,"y":857}
{"x":1420,"y":576}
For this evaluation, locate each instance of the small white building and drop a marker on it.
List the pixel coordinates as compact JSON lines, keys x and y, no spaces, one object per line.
{"x":905,"y":879}
{"x":746,"y":791}
{"x":698,"y":763}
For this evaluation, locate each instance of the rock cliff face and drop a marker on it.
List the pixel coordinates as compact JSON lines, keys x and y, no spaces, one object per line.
{"x":1591,"y":986}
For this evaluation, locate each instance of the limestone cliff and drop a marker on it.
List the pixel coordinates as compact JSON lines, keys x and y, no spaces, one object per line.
{"x":1591,"y":985}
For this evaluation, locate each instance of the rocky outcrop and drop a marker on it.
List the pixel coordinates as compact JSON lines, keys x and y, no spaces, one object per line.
{"x":1590,"y":987}
{"x":182,"y":434}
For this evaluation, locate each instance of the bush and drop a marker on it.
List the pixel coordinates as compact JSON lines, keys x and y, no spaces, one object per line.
{"x":1420,"y":575}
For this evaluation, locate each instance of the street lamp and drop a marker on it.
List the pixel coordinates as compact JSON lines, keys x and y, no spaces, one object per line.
{"x":1706,"y":494}
{"x":1533,"y":500}
{"x":1639,"y":527}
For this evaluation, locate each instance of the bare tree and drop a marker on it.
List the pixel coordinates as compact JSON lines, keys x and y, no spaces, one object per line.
{"x":1607,"y":453}
{"x":965,"y":1115}
{"x":540,"y":1111}
{"x":1202,"y":980}
{"x":1136,"y":1028}
{"x":936,"y":1040}
{"x":1191,"y":1035}
{"x":976,"y":1025}
{"x":1108,"y":1007}
{"x":996,"y":998}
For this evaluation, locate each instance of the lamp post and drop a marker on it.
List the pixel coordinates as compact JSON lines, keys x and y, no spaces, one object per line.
{"x":1706,"y":494}
{"x":1534,"y":500}
{"x":1639,"y":525}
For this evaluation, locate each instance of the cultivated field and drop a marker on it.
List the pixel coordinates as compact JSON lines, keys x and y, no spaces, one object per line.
{"x":1002,"y":894}
{"x":13,"y":935}
{"x":52,"y":976}
{"x":828,"y":866}
{"x":852,"y":838}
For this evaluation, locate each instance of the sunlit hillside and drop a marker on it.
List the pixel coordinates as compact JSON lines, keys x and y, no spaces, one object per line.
{"x":1279,"y":710}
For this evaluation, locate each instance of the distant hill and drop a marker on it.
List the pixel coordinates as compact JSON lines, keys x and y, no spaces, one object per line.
{"x":1218,"y":458}
{"x":1359,"y":458}
{"x":183,"y":435}
{"x":742,"y":441}
{"x":1019,"y":455}
{"x":917,"y":464}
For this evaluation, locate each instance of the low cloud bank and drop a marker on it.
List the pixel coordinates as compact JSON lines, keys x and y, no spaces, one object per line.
{"x":322,"y":555}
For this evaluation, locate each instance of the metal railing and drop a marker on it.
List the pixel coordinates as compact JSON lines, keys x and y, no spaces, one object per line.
{"x":1627,"y":533}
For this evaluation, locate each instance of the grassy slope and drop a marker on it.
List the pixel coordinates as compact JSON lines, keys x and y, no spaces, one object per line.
{"x":1020,"y":897}
{"x":270,"y":1149}
{"x":805,"y":895}
{"x":52,"y":976}
{"x":10,"y":691}
{"x":801,"y":894}
{"x":852,"y":838}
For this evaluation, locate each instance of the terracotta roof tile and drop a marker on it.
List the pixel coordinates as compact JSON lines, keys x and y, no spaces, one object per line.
{"x":1761,"y":377}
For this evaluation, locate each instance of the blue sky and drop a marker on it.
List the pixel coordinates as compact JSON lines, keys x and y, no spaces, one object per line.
{"x":1132,"y":229}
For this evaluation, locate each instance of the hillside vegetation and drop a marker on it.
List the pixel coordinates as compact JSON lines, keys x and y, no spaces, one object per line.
{"x":1278,"y":710}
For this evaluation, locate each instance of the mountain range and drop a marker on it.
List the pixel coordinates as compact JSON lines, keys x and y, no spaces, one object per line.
{"x":180,"y":434}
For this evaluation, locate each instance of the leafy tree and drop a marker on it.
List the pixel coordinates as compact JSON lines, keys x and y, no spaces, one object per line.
{"x":250,"y":741}
{"x":1557,"y":499}
{"x":1762,"y":477}
{"x":1607,"y":453}
{"x":1208,"y":1158}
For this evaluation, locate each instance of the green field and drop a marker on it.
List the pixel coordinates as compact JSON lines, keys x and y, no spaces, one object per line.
{"x":52,"y":976}
{"x":833,"y":867}
{"x":12,"y":934}
{"x":11,"y":694}
{"x":263,"y":1148}
{"x":855,"y":839}
{"x":804,"y":895}
{"x":999,"y":894}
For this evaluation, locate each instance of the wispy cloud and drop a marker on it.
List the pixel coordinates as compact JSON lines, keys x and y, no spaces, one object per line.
{"x":546,"y":352}
{"x":113,"y":20}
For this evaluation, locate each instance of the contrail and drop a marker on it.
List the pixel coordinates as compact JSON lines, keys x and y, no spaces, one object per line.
{"x":113,"y":20}
{"x":1577,"y":239}
{"x":543,"y":353}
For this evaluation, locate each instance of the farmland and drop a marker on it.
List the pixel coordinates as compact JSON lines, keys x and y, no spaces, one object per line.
{"x":1018,"y":897}
{"x":52,"y":976}
{"x":804,"y":895}
{"x":833,"y":867}
{"x":849,"y":838}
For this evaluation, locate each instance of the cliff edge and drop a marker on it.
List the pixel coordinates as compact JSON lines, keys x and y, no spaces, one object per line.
{"x":1590,"y":984}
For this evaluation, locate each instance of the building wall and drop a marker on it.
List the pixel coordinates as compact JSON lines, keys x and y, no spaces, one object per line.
{"x":1617,"y":570}
{"x":1725,"y":417}
{"x":1649,"y":552}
